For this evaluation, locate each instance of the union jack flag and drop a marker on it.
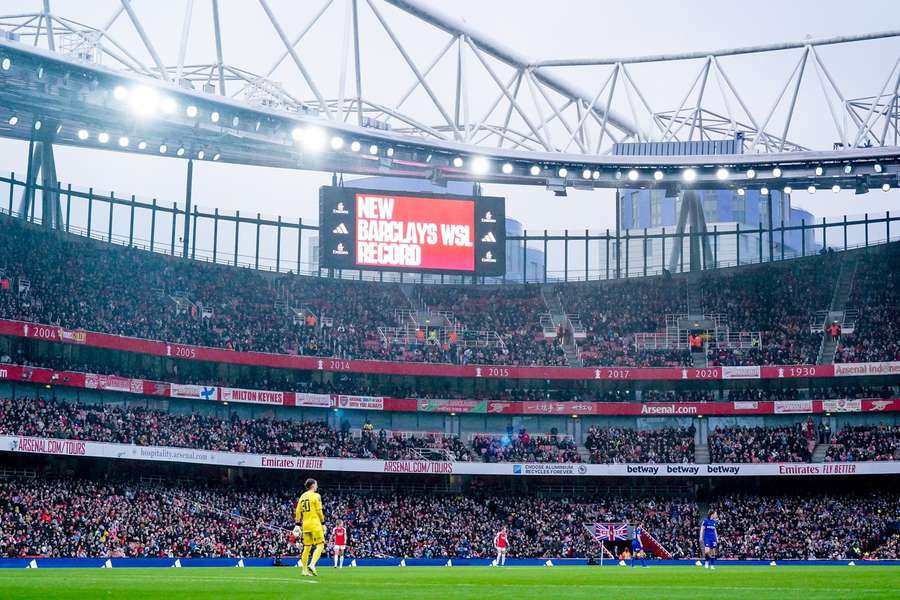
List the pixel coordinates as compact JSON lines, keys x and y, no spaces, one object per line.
{"x":611,"y":531}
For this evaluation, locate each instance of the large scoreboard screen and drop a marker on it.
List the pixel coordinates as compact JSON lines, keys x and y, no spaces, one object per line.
{"x":388,"y":231}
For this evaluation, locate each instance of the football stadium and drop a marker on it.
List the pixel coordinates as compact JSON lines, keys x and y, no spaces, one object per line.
{"x":429,"y":299}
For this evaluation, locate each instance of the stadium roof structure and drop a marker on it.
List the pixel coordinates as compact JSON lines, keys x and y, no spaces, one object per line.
{"x":535,"y":126}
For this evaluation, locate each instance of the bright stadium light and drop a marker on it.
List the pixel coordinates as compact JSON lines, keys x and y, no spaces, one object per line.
{"x":217,"y":156}
{"x":632,"y":175}
{"x":389,"y":151}
{"x":163,"y":148}
{"x":180,"y":151}
{"x":144,"y":100}
{"x":142,"y":145}
{"x":535,"y":170}
{"x":337,"y":142}
{"x":595,"y":175}
{"x":313,"y":138}
{"x":764,"y":191}
{"x":201,"y":155}
{"x":811,"y":189}
{"x":191,"y":111}
{"x":5,"y":64}
{"x":776,"y":172}
{"x":877,"y":168}
{"x":689,"y":175}
{"x":848,"y":169}
{"x":835,"y":188}
{"x":788,"y":189}
{"x":123,"y":141}
{"x":480,"y":165}
{"x":120,"y":93}
{"x":458,"y":162}
{"x":722,"y":174}
{"x":658,"y":175}
{"x":507,"y":168}
{"x":83,"y":134}
{"x":355,"y":146}
{"x":586,"y":174}
{"x":59,"y":129}
{"x":168,"y":105}
{"x":563,"y":172}
{"x":751,"y":173}
{"x":886,"y":187}
{"x":297,"y":134}
{"x":103,"y":137}
{"x":37,"y":125}
{"x":373,"y":149}
{"x":819,"y":171}
{"x":13,"y":120}
{"x":741,"y":191}
{"x":214,"y":116}
{"x":618,"y":175}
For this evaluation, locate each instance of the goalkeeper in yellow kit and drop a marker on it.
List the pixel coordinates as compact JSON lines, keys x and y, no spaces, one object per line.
{"x":308,"y":517}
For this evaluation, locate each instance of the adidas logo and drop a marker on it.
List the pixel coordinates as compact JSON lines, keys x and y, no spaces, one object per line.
{"x":341,"y":228}
{"x":489,"y":238}
{"x":339,"y":209}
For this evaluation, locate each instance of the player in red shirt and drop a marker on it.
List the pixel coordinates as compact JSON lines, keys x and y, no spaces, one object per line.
{"x":501,"y":543}
{"x":339,"y":538}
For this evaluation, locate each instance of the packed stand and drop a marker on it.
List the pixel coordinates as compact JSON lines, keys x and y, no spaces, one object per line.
{"x":144,"y":427}
{"x":513,"y":312}
{"x":92,"y":518}
{"x":876,"y":295}
{"x":865,"y":443}
{"x":815,"y":527}
{"x":525,"y":447}
{"x":793,"y":443}
{"x":619,"y":445}
{"x":131,"y":292}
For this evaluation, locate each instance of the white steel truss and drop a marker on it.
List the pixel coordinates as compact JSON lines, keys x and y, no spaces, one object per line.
{"x":470,"y":89}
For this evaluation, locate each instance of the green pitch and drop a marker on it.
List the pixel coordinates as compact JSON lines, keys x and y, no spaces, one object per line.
{"x":484,"y":583}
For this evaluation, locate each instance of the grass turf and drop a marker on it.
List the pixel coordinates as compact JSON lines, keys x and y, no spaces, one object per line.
{"x":569,"y":583}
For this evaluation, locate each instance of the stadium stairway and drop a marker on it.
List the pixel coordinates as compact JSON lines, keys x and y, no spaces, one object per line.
{"x":561,"y":320}
{"x":701,"y":454}
{"x":818,"y":455}
{"x":699,"y":360}
{"x":843,"y":286}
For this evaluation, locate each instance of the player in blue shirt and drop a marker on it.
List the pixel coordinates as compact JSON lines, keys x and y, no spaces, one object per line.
{"x":637,"y":548}
{"x":709,"y":538}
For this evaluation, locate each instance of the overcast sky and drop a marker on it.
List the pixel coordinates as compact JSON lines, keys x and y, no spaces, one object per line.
{"x":533,"y":28}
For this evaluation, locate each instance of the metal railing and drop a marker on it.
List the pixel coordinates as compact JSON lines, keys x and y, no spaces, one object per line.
{"x":276,"y":244}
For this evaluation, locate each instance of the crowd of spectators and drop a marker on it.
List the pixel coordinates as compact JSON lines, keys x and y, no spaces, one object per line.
{"x":144,"y":427}
{"x":794,"y":443}
{"x":525,"y":447}
{"x":865,"y":443}
{"x":94,"y":518}
{"x":86,"y":284}
{"x":806,"y":527}
{"x":119,"y":423}
{"x":620,"y":445}
{"x":876,"y":296}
